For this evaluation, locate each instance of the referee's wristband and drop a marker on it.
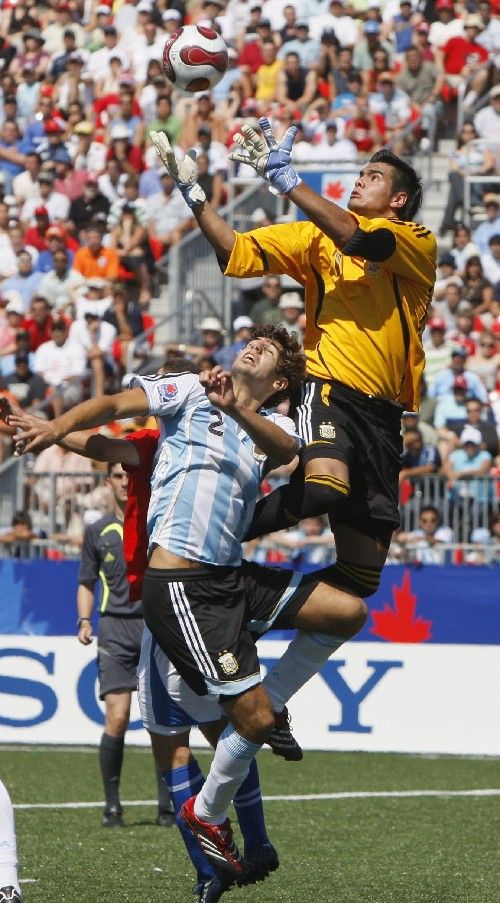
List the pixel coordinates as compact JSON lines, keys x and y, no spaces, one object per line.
{"x":80,"y":621}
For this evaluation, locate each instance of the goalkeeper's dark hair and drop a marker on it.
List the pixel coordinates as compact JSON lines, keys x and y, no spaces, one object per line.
{"x":404,"y":179}
{"x":291,"y":360}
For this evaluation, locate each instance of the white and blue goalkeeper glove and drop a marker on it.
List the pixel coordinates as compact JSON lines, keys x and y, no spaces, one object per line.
{"x":270,"y":160}
{"x":183,"y":171}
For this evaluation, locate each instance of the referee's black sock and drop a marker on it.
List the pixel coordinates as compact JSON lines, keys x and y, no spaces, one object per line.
{"x":110,"y":760}
{"x":316,"y":494}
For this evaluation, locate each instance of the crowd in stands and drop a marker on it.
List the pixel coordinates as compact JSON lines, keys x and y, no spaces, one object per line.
{"x":87,"y":211}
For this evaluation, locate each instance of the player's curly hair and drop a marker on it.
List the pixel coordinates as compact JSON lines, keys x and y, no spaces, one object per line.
{"x":291,"y":361}
{"x":404,"y":179}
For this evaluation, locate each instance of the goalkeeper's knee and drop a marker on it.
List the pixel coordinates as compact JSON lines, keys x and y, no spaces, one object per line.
{"x":357,"y":579}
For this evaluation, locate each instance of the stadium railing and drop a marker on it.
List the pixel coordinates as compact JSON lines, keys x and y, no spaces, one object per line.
{"x":467,"y":506}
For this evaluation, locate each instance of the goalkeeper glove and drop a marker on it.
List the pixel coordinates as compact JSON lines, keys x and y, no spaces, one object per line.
{"x":184,"y":171}
{"x":269,"y":159}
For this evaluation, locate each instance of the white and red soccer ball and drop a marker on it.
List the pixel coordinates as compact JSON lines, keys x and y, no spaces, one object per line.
{"x":195,"y":58}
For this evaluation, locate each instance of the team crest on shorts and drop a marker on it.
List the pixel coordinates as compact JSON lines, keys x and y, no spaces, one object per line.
{"x":327,"y":430}
{"x":228,"y":662}
{"x":167,"y":391}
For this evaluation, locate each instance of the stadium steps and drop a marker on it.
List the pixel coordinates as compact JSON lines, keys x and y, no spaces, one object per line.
{"x":436,"y":190}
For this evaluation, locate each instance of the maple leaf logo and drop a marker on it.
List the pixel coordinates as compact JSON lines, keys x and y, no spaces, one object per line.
{"x":334,"y":190}
{"x":399,"y":624}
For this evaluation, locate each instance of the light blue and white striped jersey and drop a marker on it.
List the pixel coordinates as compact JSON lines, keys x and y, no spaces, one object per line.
{"x":207,"y":472}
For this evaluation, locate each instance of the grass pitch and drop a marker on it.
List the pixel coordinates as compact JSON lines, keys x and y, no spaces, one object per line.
{"x":428,"y":849}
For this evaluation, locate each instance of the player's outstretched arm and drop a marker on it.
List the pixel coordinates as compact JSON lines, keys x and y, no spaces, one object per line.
{"x":92,"y":413}
{"x":185,"y":173}
{"x":272,"y":161}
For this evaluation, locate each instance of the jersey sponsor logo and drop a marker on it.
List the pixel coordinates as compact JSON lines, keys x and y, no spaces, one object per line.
{"x":228,"y":662}
{"x":327,"y":430}
{"x":167,"y":391}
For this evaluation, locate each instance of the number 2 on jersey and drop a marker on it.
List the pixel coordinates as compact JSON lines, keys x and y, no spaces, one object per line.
{"x":217,"y":427}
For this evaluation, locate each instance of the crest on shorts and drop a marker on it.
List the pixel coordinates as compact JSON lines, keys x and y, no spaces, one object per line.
{"x":167,"y":391}
{"x":228,"y":662}
{"x":327,"y":430}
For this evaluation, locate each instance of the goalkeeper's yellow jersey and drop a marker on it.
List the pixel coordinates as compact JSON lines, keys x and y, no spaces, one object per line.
{"x":364,"y":319}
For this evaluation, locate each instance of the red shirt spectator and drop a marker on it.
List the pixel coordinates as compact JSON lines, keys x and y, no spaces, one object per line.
{"x":459,"y":52}
{"x":36,"y":236}
{"x":39,"y":325}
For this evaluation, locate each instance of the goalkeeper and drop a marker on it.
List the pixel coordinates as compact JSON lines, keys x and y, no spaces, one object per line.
{"x":368,"y":274}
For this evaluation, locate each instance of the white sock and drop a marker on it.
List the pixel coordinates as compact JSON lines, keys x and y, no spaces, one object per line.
{"x":8,"y":847}
{"x":229,"y":769}
{"x":305,"y":656}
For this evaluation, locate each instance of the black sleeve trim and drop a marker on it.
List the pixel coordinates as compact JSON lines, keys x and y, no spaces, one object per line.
{"x":377,"y":246}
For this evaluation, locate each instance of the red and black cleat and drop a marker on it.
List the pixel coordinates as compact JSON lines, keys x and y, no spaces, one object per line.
{"x":216,"y":841}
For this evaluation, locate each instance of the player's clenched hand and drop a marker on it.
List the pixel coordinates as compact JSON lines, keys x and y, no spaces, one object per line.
{"x":218,"y":387}
{"x":183,"y":171}
{"x":270,"y":160}
{"x":85,"y":633}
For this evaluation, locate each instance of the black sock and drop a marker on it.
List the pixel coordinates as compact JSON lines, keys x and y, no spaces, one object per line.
{"x":164,"y":802}
{"x":110,"y":760}
{"x":289,"y":504}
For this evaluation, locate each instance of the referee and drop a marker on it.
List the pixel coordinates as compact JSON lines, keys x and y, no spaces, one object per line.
{"x":368,"y":275}
{"x":118,"y":643}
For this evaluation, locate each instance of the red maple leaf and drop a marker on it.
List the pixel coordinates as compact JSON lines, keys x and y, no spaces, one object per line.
{"x":334,"y":190}
{"x":399,"y":624}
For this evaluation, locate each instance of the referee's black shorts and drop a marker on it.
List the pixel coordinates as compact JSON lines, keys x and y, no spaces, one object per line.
{"x":336,"y":421}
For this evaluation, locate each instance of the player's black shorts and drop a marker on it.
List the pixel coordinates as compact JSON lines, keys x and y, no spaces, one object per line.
{"x":118,"y":651}
{"x":205,"y":619}
{"x":365,"y":433}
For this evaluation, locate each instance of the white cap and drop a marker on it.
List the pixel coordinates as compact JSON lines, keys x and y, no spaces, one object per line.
{"x":291,"y":299}
{"x":143,"y":7}
{"x":470,"y":434}
{"x":172,"y":14}
{"x":102,"y":9}
{"x":119,"y":131}
{"x":481,"y":534}
{"x":242,"y":323}
{"x":212,"y":324}
{"x":14,"y":302}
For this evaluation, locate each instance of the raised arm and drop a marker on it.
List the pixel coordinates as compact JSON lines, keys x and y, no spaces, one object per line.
{"x":92,"y":413}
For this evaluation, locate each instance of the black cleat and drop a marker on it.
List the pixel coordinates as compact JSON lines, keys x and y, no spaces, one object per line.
{"x":259,"y":863}
{"x":211,"y":891}
{"x":10,"y":895}
{"x":281,"y":739}
{"x":112,"y":817}
{"x":165,"y":818}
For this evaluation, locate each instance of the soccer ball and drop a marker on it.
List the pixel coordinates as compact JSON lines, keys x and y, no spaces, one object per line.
{"x":195,"y":58}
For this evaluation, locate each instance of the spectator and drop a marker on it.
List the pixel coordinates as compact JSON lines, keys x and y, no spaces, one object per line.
{"x":477,"y":290}
{"x":365,"y":129}
{"x":296,"y":85}
{"x":212,"y":184}
{"x":56,"y":239}
{"x":418,"y":459}
{"x":39,"y":324}
{"x":165,"y":121}
{"x":27,"y":96}
{"x":394,"y":105}
{"x":487,"y":121}
{"x":25,"y":185}
{"x":62,"y":365}
{"x":126,"y":120}
{"x":8,"y":259}
{"x":311,"y":544}
{"x":60,"y":490}
{"x":462,"y":247}
{"x":87,"y":206}
{"x":437,"y":348}
{"x":96,"y":260}
{"x":421,"y":80}
{"x":477,"y":416}
{"x":346,"y":28}
{"x":127,"y":154}
{"x":11,"y":153}
{"x":59,"y":286}
{"x":412,"y":420}
{"x":128,"y":237}
{"x":401,"y":27}
{"x":126,"y":318}
{"x":367,"y":48}
{"x":36,"y":235}
{"x":20,"y":535}
{"x":215,"y":150}
{"x":447,"y":274}
{"x":27,"y":388}
{"x":111,"y":182}
{"x":68,"y":181}
{"x":464,"y":60}
{"x":212,"y":341}
{"x":463,"y":333}
{"x":170,"y":219}
{"x":291,"y":307}
{"x":88,"y":154}
{"x":425,"y":541}
{"x":27,"y":280}
{"x":464,"y":464}
{"x":486,"y":360}
{"x":266,"y":78}
{"x":491,"y":260}
{"x":267,"y":309}
{"x":490,"y":226}
{"x":447,"y":25}
{"x":11,"y":314}
{"x":95,"y":339}
{"x":446,"y":381}
{"x":490,"y":35}
{"x":300,"y":42}
{"x":98,"y":63}
{"x":469,"y":159}
{"x":56,"y":204}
